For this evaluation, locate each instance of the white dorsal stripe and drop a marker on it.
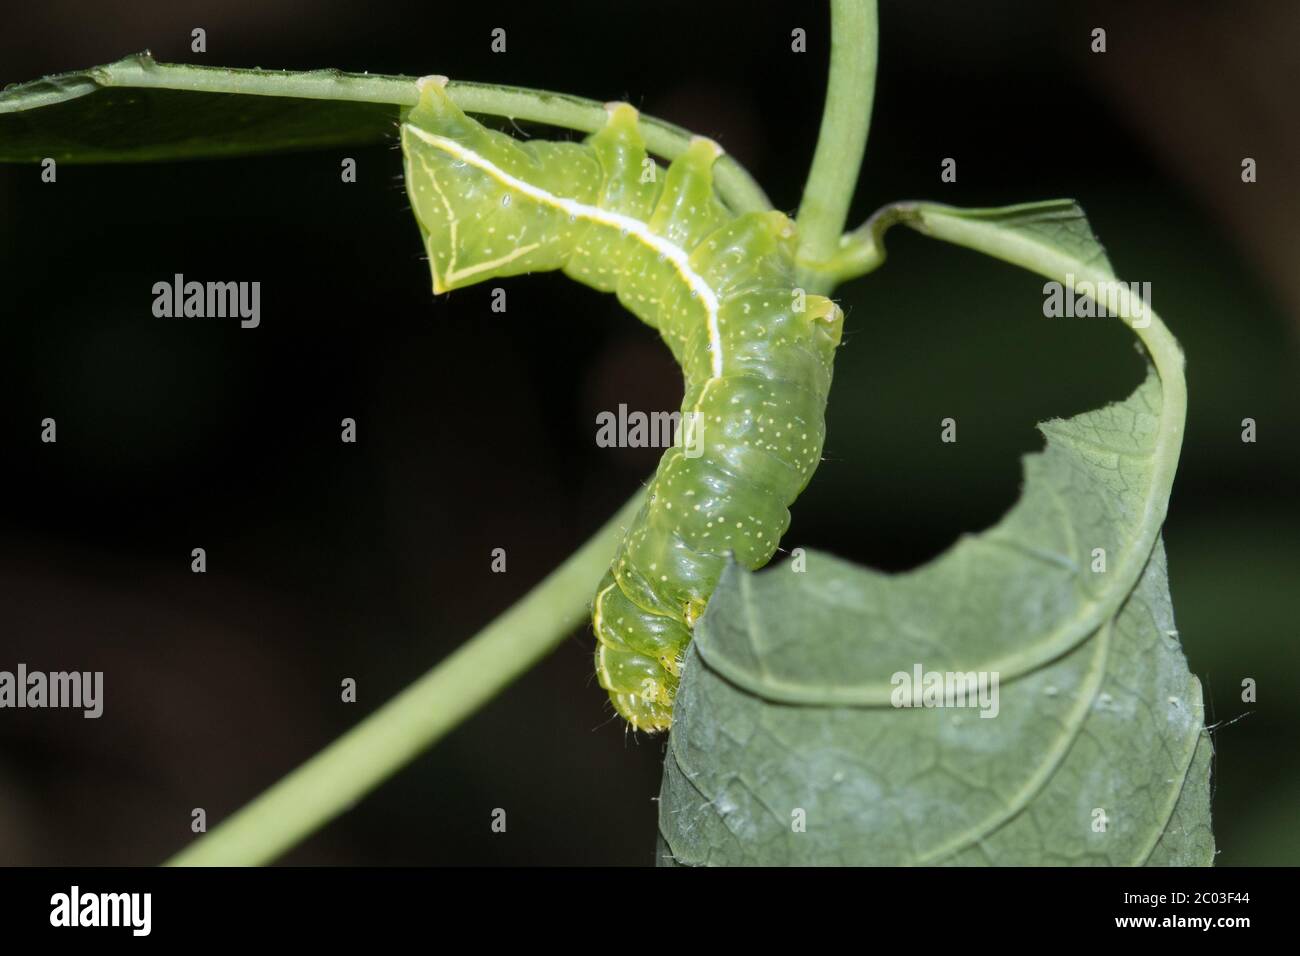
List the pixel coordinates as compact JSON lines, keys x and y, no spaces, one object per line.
{"x":626,"y":224}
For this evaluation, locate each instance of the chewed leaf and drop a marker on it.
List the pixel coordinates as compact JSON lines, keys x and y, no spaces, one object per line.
{"x":1080,"y":499}
{"x":1023,"y":699}
{"x":1100,"y":757}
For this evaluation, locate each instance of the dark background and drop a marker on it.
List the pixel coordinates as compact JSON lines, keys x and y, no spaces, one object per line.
{"x":476,"y":429}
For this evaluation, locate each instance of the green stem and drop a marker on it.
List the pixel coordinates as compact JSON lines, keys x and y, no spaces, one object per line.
{"x":345,"y":771}
{"x":735,"y":185}
{"x":842,"y":141}
{"x":738,"y":189}
{"x":863,"y":250}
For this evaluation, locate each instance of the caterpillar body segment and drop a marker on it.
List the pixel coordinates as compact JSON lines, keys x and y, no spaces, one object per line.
{"x":755,"y":352}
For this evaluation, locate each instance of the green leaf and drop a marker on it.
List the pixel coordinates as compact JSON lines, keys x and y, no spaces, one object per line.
{"x":140,"y":110}
{"x":137,"y":109}
{"x":1097,"y":752}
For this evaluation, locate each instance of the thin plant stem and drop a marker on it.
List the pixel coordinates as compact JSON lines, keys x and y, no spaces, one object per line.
{"x":842,"y":140}
{"x":336,"y":778}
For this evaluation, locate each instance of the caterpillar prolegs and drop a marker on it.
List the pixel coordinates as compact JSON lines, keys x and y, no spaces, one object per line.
{"x":755,"y":352}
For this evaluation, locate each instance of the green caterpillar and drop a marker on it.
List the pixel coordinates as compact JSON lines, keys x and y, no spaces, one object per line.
{"x":756,"y":353}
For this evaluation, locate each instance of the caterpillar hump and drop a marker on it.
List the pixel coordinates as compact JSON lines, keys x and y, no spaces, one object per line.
{"x":756,"y":353}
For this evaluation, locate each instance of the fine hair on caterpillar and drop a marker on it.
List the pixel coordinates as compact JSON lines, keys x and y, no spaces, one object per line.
{"x":756,"y":352}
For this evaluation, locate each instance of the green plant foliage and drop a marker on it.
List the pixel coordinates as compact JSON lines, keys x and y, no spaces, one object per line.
{"x":119,"y":113}
{"x":138,"y":110}
{"x":788,"y":747}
